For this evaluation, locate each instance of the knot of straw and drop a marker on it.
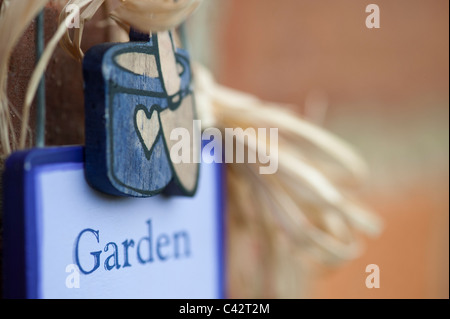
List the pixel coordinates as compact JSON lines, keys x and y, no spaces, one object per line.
{"x":143,"y":15}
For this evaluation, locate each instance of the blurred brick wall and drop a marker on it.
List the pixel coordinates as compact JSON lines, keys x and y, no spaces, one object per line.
{"x":387,"y":93}
{"x":283,"y":49}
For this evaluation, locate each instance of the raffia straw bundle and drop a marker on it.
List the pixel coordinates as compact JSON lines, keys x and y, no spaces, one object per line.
{"x":305,"y":210}
{"x":275,"y":221}
{"x":11,"y":12}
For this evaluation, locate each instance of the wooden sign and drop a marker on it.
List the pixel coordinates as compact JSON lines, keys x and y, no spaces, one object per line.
{"x":63,"y":239}
{"x":136,"y":94}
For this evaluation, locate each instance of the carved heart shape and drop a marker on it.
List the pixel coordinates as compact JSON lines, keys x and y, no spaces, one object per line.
{"x":147,"y":127}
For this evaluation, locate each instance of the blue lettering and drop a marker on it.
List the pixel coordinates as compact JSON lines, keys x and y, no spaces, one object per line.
{"x":114,"y":256}
{"x":177,"y":236}
{"x":163,"y":241}
{"x":149,"y":240}
{"x":126,"y":244}
{"x":166,"y":246}
{"x":96,"y":254}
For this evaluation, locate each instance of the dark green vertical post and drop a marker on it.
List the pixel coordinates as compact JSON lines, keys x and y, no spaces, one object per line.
{"x":40,"y":97}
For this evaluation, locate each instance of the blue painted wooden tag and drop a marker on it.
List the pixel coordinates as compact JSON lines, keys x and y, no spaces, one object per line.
{"x":62,"y":239}
{"x":136,"y":94}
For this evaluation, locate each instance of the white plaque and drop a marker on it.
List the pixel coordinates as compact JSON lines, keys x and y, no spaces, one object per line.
{"x":65,"y":240}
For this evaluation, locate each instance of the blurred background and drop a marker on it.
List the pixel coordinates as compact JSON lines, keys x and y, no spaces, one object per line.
{"x":386,"y":91}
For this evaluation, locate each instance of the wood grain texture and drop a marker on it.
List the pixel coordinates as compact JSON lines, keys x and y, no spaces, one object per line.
{"x":139,"y":63}
{"x":127,"y":89}
{"x":186,"y":173}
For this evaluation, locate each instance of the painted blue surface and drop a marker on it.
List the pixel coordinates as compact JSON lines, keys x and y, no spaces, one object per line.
{"x":20,"y":261}
{"x":21,"y":219}
{"x":117,"y":162}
